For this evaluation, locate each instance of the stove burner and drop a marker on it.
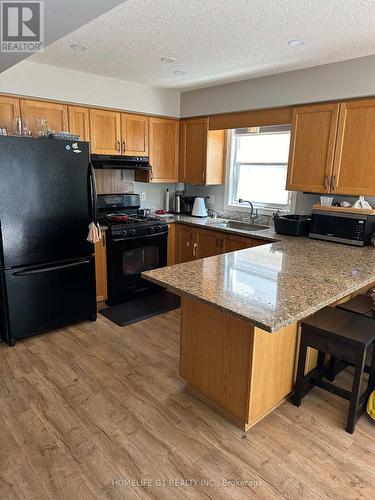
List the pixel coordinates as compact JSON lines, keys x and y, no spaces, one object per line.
{"x":121,"y":219}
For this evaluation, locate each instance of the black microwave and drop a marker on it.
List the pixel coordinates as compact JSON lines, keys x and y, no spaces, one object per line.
{"x":342,"y":227}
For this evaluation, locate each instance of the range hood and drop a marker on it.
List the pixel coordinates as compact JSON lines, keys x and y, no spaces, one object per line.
{"x":123,"y":162}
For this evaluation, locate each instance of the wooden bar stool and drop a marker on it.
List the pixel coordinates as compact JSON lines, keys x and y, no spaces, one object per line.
{"x":347,"y":337}
{"x":360,"y":304}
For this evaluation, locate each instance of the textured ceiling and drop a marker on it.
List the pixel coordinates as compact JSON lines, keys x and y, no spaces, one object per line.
{"x":58,"y":23}
{"x":215,"y":40}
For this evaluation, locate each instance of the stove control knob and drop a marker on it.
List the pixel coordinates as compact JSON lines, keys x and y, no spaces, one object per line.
{"x":132,"y":232}
{"x":151,"y":229}
{"x":158,"y":228}
{"x":124,"y":233}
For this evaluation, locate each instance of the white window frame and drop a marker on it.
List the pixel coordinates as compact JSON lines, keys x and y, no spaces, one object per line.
{"x":230,"y":185}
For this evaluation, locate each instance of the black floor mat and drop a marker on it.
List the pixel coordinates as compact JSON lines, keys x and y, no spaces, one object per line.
{"x":142,"y":308}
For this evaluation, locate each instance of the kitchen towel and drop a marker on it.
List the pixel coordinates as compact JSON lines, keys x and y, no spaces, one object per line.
{"x":95,"y":233}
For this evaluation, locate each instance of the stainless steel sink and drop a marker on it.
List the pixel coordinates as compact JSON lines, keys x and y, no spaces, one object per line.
{"x":245,"y":226}
{"x":236,"y":224}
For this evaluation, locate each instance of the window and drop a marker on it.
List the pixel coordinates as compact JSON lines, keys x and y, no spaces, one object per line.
{"x":258,"y":169}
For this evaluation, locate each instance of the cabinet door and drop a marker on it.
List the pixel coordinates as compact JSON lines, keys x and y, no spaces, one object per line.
{"x":312,"y":148}
{"x":164,"y":147}
{"x":101,"y":269}
{"x":232,"y":243}
{"x":216,"y":144}
{"x":185,"y":242}
{"x":105,"y":131}
{"x":55,"y":114}
{"x":194,"y":135}
{"x":134,"y":130}
{"x":9,"y":108}
{"x":79,"y":122}
{"x":171,"y":259}
{"x":354,"y":171}
{"x":207,"y":243}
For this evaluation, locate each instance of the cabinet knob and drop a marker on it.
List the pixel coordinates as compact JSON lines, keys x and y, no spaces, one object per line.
{"x":118,"y":146}
{"x":333,"y":183}
{"x":123,"y":146}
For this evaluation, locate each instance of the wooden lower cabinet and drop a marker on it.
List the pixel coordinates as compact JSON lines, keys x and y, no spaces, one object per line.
{"x":206,"y":243}
{"x":101,"y":269}
{"x":232,"y":243}
{"x":171,"y":257}
{"x":195,"y":243}
{"x":184,"y":243}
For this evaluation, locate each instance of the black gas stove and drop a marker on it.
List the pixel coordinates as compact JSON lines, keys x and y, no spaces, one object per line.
{"x":135,"y":243}
{"x":120,"y":214}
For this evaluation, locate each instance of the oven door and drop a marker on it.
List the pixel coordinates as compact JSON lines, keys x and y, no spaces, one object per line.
{"x":127,"y":258}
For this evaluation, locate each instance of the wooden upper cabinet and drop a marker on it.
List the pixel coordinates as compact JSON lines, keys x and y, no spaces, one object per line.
{"x":134,"y":132}
{"x":163,"y":150}
{"x":312,"y":148}
{"x":79,"y":122}
{"x":55,"y":114}
{"x":354,"y":171}
{"x":9,"y":109}
{"x":202,"y":153}
{"x":105,"y":132}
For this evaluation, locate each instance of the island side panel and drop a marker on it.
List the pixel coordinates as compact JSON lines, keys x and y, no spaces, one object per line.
{"x":273,"y":370}
{"x":215,"y":358}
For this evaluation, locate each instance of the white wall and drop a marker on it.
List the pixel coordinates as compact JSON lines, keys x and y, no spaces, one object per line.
{"x":38,"y":80}
{"x":353,"y":78}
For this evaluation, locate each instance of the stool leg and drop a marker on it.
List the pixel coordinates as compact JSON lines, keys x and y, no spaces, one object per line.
{"x":333,"y":368}
{"x":298,"y":388}
{"x":356,"y":388}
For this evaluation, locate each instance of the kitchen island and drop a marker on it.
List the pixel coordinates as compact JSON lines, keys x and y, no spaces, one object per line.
{"x":240,"y":314}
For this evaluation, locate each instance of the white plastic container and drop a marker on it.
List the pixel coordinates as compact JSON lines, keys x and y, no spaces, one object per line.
{"x":326,"y":201}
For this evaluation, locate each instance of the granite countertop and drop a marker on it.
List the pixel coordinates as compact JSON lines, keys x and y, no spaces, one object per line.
{"x":216,"y":225}
{"x":276,"y":284}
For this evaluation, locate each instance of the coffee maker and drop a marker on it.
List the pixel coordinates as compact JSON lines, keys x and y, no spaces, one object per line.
{"x":187,"y":203}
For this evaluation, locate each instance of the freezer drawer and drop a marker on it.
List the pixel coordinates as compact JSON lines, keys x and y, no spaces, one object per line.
{"x":47,"y":297}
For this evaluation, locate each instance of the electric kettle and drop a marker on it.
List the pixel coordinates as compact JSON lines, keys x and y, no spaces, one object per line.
{"x":199,"y":208}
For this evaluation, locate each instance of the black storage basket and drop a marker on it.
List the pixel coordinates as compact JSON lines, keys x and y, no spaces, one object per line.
{"x":292,"y":225}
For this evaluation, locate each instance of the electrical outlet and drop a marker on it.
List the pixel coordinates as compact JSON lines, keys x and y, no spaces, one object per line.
{"x":211,"y":199}
{"x":143,"y":197}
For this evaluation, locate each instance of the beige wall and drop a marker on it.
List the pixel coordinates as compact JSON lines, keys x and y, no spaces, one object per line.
{"x":49,"y":82}
{"x":353,"y":78}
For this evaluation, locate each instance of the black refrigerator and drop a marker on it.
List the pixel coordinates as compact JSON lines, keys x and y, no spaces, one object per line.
{"x":47,"y":201}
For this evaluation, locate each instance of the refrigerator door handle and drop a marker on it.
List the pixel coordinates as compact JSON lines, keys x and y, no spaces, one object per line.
{"x":94,"y":200}
{"x":40,"y":270}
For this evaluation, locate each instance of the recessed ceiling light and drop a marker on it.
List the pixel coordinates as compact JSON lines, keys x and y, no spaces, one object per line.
{"x":78,"y":47}
{"x":179,"y":72}
{"x":168,"y":59}
{"x":296,"y":42}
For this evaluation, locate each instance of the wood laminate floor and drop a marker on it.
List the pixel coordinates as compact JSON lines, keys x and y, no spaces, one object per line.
{"x":98,"y":411}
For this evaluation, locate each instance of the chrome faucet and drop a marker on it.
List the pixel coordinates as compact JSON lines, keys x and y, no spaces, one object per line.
{"x":252,"y":217}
